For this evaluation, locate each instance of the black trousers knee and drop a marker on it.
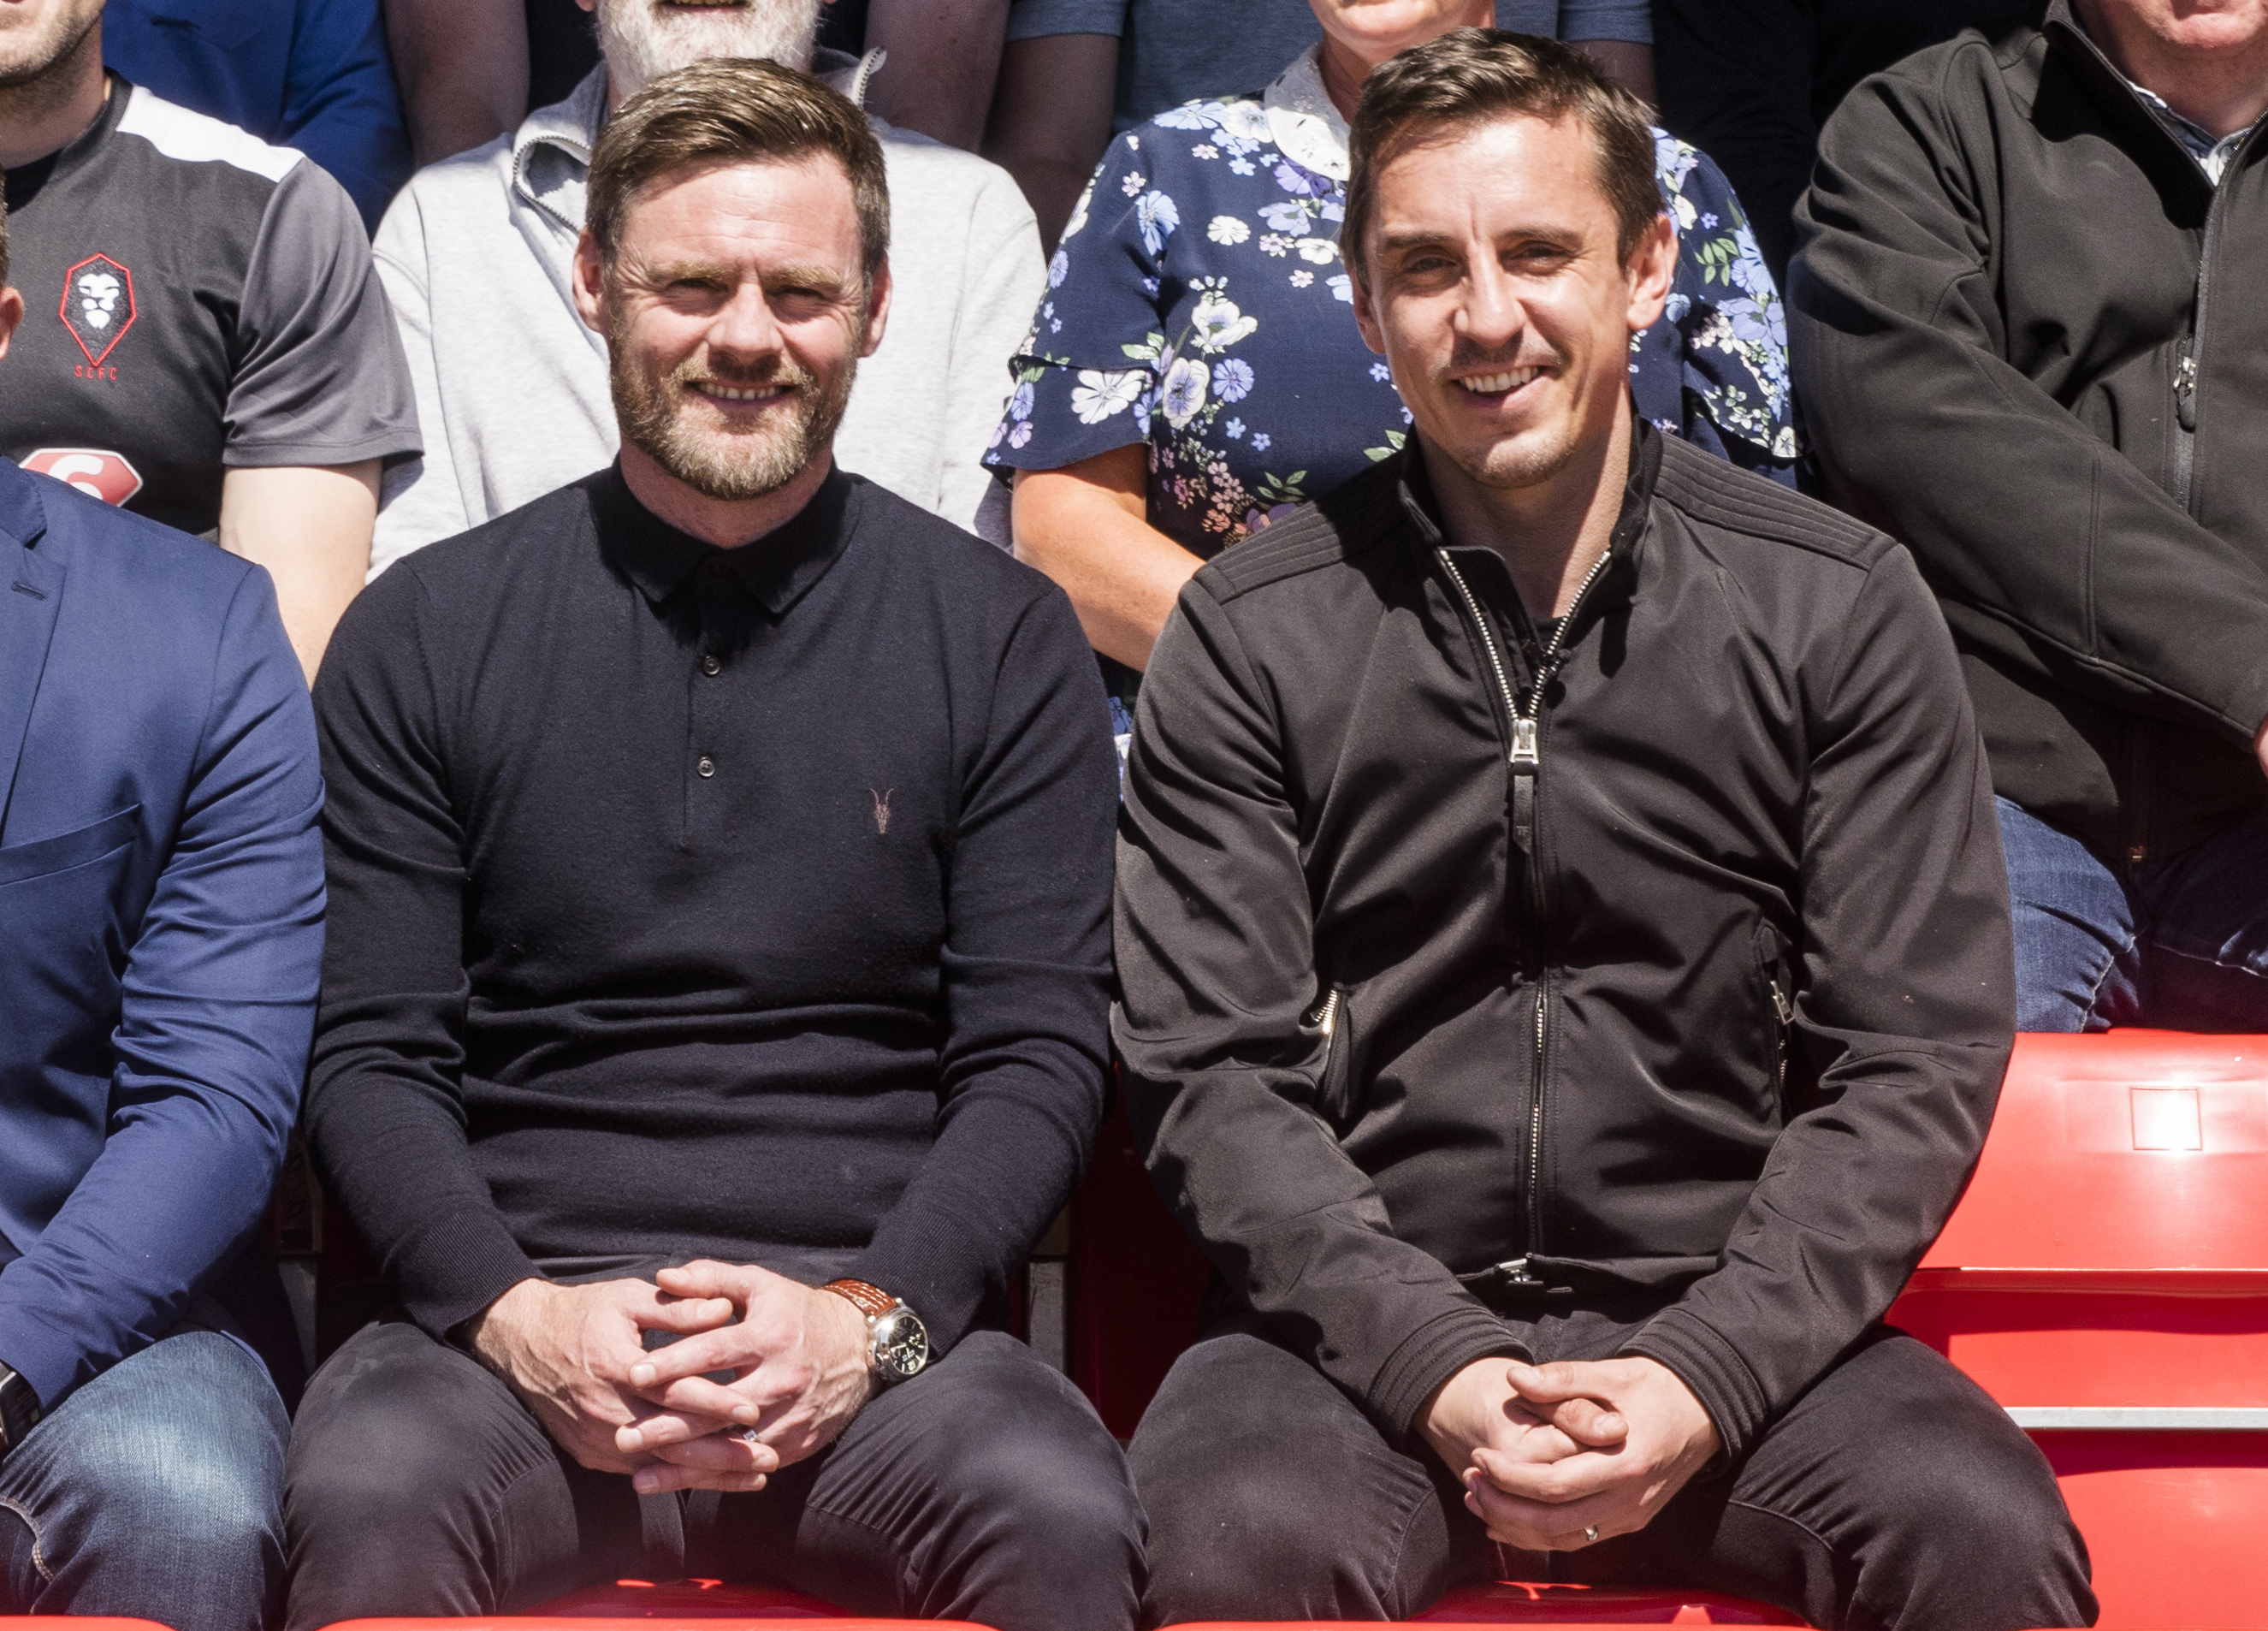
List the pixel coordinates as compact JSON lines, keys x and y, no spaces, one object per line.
{"x":986,"y":1489}
{"x":1894,"y":1495}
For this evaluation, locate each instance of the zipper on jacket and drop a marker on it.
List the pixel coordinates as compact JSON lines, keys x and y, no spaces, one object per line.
{"x":1331,"y":1096}
{"x":1525,"y":765}
{"x":2185,"y":403}
{"x":1784,"y":1012}
{"x":1526,"y":760}
{"x":2190,"y":358}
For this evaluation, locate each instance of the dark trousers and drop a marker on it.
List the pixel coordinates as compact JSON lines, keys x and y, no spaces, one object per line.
{"x":985,"y":1489}
{"x":1893,"y":1494}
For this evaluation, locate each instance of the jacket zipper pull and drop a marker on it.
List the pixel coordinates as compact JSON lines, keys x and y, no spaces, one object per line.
{"x":1516,"y":1277}
{"x":2185,"y":387}
{"x":1525,"y":763}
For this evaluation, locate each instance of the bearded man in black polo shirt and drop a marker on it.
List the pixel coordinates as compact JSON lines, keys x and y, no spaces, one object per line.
{"x":714,"y":1009}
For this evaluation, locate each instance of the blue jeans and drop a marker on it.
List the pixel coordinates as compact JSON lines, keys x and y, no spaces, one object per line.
{"x":154,"y":1492}
{"x":2180,"y":944}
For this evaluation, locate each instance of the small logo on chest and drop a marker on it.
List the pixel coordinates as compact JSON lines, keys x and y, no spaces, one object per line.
{"x":882,"y":808}
{"x":98,"y":305}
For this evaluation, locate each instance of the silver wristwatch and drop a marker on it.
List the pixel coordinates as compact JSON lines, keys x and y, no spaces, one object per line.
{"x":899,"y":1341}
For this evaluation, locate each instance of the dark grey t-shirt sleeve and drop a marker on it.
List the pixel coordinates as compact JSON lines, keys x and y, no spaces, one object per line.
{"x":322,"y":379}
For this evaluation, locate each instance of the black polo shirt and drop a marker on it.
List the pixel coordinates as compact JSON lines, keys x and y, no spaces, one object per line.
{"x":749,"y":904}
{"x":194,"y":300}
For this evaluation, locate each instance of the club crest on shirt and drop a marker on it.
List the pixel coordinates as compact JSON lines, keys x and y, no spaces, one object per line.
{"x":98,"y":305}
{"x":97,"y":472}
{"x":881,"y":808}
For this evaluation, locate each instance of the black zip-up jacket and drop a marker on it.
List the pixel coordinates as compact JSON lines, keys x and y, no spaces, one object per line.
{"x":1427,"y":1015}
{"x":2029,"y":341}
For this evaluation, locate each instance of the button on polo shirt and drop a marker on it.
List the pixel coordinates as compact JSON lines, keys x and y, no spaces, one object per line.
{"x":730,"y":596}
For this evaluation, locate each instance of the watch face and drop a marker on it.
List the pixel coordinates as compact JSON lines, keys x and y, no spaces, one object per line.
{"x":901,"y":1343}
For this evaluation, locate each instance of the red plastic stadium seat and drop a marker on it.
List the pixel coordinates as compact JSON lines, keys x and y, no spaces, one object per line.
{"x":2106,"y":1279}
{"x":643,"y":1605}
{"x":1515,"y":1605}
{"x":78,"y":1622}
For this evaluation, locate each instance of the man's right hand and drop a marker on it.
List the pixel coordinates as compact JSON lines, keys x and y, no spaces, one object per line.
{"x":568,"y":1350}
{"x":2260,"y":746}
{"x":1478,"y":1408}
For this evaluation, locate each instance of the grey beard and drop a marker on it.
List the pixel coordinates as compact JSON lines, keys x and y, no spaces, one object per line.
{"x":640,"y":44}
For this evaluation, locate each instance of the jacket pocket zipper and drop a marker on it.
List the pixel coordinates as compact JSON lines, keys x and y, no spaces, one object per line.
{"x":1783,"y":1016}
{"x":1330,"y":1094}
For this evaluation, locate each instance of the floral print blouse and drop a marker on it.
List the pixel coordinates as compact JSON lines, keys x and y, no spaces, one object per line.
{"x":1198,"y":304}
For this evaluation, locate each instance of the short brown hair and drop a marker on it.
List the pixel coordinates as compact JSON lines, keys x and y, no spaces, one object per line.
{"x":732,"y":110}
{"x":1471,"y":76}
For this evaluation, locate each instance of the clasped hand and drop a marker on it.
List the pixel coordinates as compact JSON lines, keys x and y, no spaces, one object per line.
{"x":1548,"y":1453}
{"x":799,"y":1359}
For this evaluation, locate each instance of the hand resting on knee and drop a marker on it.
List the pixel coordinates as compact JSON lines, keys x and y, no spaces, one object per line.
{"x":1548,"y":1454}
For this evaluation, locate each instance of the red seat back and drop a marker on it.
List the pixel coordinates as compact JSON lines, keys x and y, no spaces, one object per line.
{"x":2106,"y":1279}
{"x":645,"y":1606}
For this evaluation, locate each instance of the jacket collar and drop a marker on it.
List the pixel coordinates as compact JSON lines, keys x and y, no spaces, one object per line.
{"x":1619,"y":580}
{"x":2126,"y":99}
{"x":31,"y":593}
{"x":776,"y":570}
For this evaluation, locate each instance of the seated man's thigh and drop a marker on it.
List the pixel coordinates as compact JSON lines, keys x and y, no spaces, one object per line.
{"x":986,"y":1488}
{"x":2207,"y":963}
{"x":2076,"y":961}
{"x":1895,"y":1494}
{"x":419,"y":1484}
{"x":1272,"y":1496}
{"x":153,"y":1493}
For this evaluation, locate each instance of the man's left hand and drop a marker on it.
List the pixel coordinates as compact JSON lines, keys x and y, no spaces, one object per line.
{"x":802,"y":1365}
{"x":1551,"y":1507}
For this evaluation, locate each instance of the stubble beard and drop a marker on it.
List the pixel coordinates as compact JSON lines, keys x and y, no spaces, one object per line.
{"x":641,"y":43}
{"x":717,"y":464}
{"x":1515,"y":463}
{"x":35,"y":65}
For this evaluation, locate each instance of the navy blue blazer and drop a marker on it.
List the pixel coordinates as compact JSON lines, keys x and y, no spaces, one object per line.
{"x":161,"y":931}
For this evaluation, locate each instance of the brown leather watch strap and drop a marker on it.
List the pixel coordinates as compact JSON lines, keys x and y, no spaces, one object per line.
{"x":871,"y":1301}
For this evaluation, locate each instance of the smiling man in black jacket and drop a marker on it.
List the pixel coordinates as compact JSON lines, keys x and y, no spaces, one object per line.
{"x":2029,"y":341}
{"x":1565,"y":968}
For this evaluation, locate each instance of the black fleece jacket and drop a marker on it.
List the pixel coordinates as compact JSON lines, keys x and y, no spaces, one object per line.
{"x":1758,"y":791}
{"x":2029,"y":341}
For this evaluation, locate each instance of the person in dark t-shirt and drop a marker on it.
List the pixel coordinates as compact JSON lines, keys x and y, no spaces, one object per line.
{"x":204,"y":342}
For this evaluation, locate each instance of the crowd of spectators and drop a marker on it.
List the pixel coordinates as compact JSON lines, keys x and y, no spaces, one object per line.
{"x":1663,"y":575}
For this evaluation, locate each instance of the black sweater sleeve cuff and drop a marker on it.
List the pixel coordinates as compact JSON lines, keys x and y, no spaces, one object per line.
{"x":1714,"y":1371}
{"x":1430,"y":1356}
{"x":457,"y":1265}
